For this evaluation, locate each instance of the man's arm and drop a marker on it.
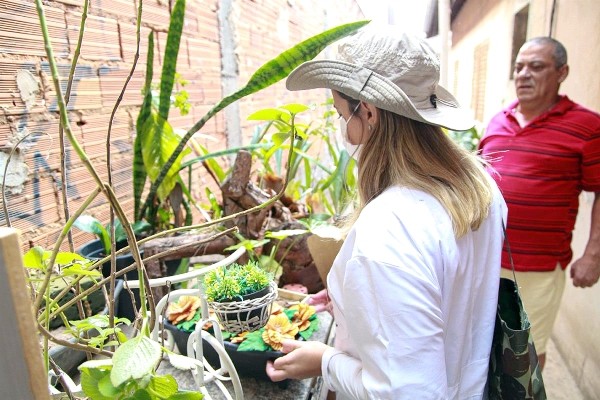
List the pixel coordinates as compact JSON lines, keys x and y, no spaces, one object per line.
{"x":586,"y":270}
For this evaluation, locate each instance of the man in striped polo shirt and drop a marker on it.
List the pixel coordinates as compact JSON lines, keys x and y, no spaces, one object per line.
{"x":544,"y":150}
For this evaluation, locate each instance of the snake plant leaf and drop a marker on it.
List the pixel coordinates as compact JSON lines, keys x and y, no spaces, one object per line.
{"x":158,"y":143}
{"x":271,"y":72}
{"x":139,"y":172}
{"x":167,"y":78}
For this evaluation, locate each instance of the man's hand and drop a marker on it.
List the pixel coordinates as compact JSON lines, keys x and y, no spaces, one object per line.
{"x":302,"y":360}
{"x":585,"y":271}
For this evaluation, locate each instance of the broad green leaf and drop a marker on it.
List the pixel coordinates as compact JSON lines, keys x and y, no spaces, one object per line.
{"x":254,"y":342}
{"x":308,"y":332}
{"x":278,"y":139}
{"x":159,"y":143}
{"x":267,"y":114}
{"x":187,"y":395}
{"x":139,"y":172}
{"x":34,"y":258}
{"x":134,"y":359}
{"x":141,"y":394}
{"x":106,"y":388}
{"x":295,"y":108}
{"x":162,"y":387}
{"x":66,"y":257}
{"x":89,"y":224}
{"x":90,"y":382}
{"x":167,"y":77}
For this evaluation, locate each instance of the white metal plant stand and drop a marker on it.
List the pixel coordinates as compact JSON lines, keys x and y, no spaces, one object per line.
{"x":203,"y":372}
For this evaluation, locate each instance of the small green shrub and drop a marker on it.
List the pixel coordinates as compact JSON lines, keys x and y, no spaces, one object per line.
{"x":235,"y":281}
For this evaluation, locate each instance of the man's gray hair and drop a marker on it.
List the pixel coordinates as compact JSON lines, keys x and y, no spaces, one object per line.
{"x":560,"y":53}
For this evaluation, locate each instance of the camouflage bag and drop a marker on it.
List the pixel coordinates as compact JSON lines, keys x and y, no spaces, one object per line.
{"x":514,"y":372}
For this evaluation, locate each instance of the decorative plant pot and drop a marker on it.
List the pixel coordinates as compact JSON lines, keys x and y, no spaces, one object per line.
{"x":250,"y":314}
{"x":94,"y":250}
{"x":247,"y":363}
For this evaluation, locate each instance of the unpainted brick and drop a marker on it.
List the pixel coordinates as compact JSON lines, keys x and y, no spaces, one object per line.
{"x":128,"y":37}
{"x":85,"y":92}
{"x":100,"y":37}
{"x":112,"y":80}
{"x":20,"y":31}
{"x":154,"y":14}
{"x":10,"y":97}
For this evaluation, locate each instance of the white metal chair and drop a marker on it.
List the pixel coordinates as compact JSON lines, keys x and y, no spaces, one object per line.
{"x":203,"y":372}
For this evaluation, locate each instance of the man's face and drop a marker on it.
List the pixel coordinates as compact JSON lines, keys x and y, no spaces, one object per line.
{"x":537,"y":78}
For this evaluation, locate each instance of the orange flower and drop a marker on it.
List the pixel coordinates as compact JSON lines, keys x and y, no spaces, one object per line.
{"x":276,"y":308}
{"x":277,"y":329}
{"x":183,"y":310}
{"x":239,"y":338}
{"x":302,"y":315}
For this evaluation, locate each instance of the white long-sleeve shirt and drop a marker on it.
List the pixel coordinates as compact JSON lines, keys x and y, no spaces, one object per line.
{"x":414,"y":306}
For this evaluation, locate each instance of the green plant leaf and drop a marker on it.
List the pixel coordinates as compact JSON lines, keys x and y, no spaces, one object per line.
{"x":134,"y":359}
{"x":139,"y":172}
{"x":89,"y":224}
{"x":106,"y":388}
{"x":187,"y":395}
{"x":267,"y":114}
{"x":295,"y":108}
{"x":66,"y":257}
{"x":34,"y":258}
{"x":254,"y":342}
{"x":308,"y":332}
{"x":92,"y":372}
{"x":141,"y":394}
{"x":162,"y":387}
{"x":159,"y":143}
{"x":167,"y":77}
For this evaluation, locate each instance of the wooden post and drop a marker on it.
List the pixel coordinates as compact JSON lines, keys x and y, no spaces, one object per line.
{"x":22,"y":373}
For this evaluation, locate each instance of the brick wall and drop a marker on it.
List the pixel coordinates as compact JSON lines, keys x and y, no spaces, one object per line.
{"x":263,"y":28}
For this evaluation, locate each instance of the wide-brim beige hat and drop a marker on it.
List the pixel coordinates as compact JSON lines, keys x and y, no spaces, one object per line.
{"x":393,"y":71}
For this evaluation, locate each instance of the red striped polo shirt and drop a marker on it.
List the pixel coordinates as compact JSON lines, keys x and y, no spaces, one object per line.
{"x":541,"y":169}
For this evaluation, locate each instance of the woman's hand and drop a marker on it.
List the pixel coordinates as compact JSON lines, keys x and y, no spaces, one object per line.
{"x":320,"y":301}
{"x":302,"y":360}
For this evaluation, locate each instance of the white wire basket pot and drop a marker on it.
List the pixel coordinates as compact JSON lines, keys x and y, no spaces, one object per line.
{"x":250,"y":314}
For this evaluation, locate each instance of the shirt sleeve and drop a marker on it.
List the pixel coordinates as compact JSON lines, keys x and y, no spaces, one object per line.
{"x":395,"y":328}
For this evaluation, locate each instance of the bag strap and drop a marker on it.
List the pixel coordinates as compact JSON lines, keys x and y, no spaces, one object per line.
{"x":512,"y":264}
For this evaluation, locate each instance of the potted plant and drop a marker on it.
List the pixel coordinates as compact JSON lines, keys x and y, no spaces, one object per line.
{"x":249,"y":351}
{"x":241,"y":296}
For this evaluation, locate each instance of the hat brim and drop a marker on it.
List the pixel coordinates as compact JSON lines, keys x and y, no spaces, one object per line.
{"x":379,"y":91}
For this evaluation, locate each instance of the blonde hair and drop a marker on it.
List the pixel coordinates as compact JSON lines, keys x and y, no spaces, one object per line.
{"x":408,"y":153}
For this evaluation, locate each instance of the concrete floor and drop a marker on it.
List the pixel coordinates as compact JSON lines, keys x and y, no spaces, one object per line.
{"x":559,"y":383}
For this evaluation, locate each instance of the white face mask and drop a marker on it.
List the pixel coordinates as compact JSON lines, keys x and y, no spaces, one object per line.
{"x":352,"y":149}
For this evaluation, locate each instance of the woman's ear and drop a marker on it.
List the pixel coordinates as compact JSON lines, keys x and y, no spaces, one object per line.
{"x":371,"y":113}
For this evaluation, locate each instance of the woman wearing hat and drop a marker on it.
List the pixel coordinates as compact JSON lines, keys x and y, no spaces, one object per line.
{"x":414,"y":287}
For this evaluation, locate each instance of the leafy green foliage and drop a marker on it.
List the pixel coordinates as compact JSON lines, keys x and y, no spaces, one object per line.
{"x":254,"y":342}
{"x":97,"y":384}
{"x":90,"y":224}
{"x":234,"y":281}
